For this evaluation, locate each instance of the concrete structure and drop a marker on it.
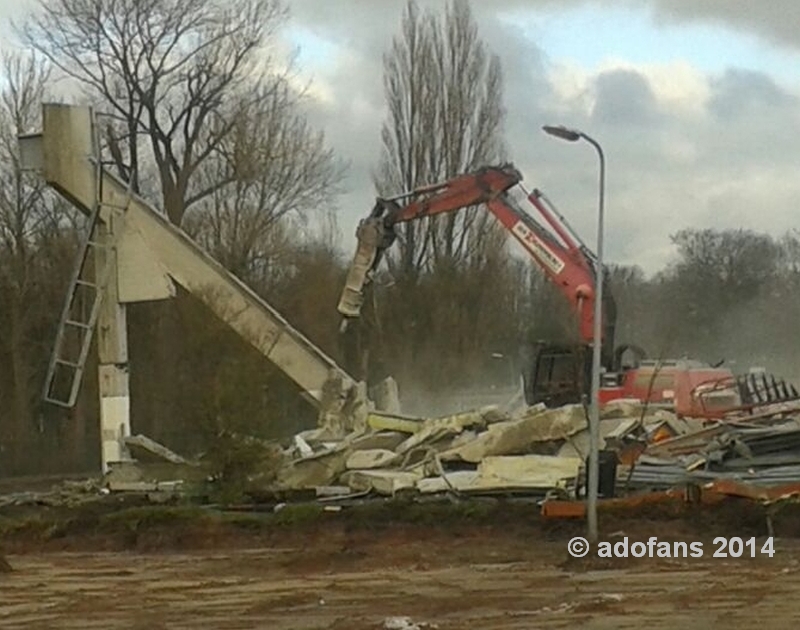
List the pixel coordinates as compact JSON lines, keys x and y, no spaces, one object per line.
{"x":148,"y":255}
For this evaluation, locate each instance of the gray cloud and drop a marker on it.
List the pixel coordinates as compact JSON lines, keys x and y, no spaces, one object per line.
{"x":624,"y":97}
{"x":722,"y":157}
{"x":777,"y":21}
{"x":740,"y":93}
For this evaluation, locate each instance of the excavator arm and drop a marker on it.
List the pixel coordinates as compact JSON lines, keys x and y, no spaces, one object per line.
{"x":376,"y":233}
{"x":558,"y":251}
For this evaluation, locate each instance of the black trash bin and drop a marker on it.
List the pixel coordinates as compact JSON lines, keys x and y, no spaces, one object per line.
{"x":607,"y":480}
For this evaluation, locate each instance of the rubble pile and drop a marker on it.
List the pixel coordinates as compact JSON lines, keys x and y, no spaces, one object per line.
{"x":532,"y":451}
{"x":539,"y":451}
{"x":69,"y":493}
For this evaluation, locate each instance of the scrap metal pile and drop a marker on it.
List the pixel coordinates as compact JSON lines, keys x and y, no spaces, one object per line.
{"x":761,"y":451}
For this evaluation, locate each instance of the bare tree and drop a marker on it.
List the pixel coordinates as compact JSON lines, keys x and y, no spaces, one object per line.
{"x":178,"y":73}
{"x":20,"y":196}
{"x":444,"y":93}
{"x":20,"y":217}
{"x":283,"y":170}
{"x":32,"y":253}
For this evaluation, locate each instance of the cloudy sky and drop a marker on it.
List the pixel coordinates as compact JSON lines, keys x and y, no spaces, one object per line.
{"x":695,"y":102}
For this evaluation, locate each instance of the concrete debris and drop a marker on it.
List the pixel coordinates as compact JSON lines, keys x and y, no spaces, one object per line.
{"x":436,"y":430}
{"x":383,"y":482}
{"x":319,"y":469}
{"x":526,"y":472}
{"x":393,"y":422}
{"x":67,"y":493}
{"x":516,"y":437}
{"x":538,"y":450}
{"x":142,"y":448}
{"x":302,"y":446}
{"x":332,"y":492}
{"x":533,"y":451}
{"x":323,"y":466}
{"x":622,"y":408}
{"x":154,"y":468}
{"x":458,"y":480}
{"x":343,"y":408}
{"x":372,"y":458}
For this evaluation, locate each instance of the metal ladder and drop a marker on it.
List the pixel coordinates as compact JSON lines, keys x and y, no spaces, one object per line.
{"x":82,"y":305}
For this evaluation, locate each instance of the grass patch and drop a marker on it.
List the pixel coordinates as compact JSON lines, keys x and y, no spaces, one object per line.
{"x":298,"y":515}
{"x":137,"y":519}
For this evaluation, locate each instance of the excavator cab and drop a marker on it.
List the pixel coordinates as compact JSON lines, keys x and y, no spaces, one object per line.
{"x":561,"y":374}
{"x":557,"y":374}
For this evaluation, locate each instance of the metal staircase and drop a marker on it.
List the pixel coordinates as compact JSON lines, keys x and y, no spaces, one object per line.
{"x":84,"y":298}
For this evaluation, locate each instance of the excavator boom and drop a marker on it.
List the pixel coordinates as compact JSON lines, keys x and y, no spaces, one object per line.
{"x":559,"y":254}
{"x":375,"y":234}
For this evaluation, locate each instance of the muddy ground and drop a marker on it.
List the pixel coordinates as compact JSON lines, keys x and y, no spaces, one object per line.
{"x":470,"y":565}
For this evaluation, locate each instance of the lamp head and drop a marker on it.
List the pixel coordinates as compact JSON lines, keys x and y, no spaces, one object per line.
{"x":571,"y":135}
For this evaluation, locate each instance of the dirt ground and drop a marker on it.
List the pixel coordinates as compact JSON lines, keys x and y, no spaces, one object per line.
{"x":337,"y":575}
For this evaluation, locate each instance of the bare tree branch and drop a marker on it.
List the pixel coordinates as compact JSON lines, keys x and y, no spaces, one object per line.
{"x":270,"y":165}
{"x":165,"y":67}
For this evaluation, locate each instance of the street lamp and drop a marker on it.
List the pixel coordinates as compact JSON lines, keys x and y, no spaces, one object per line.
{"x":573,"y":135}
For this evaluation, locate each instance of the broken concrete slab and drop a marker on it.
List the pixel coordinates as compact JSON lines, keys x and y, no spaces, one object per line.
{"x":323,"y":467}
{"x":318,"y":436}
{"x":459,"y":480}
{"x":394,"y":422}
{"x":577,"y":446}
{"x":145,"y":486}
{"x":435,"y":430}
{"x":516,"y":437}
{"x":121,"y":474}
{"x":613,"y":432}
{"x":383,"y":482}
{"x":143,"y":449}
{"x":621,"y":408}
{"x":331,"y":491}
{"x":378,"y":421}
{"x":371,"y":458}
{"x":388,"y":440}
{"x":302,"y":446}
{"x":539,"y":471}
{"x":623,"y":428}
{"x":343,"y":407}
{"x":320,"y":469}
{"x":524,"y":472}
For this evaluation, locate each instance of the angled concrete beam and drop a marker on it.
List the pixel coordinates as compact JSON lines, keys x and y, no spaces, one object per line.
{"x":152,"y":252}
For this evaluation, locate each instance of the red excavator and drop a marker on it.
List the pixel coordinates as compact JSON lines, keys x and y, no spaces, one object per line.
{"x":558,"y":374}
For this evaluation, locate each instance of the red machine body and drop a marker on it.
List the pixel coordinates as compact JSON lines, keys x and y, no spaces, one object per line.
{"x":557,"y":374}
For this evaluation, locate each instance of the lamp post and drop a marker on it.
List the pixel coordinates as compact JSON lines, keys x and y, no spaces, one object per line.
{"x":573,"y":135}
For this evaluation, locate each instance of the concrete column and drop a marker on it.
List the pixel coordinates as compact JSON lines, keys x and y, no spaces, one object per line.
{"x":112,"y":348}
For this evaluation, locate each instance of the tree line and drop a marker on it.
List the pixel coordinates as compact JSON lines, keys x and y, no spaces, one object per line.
{"x":204,"y":119}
